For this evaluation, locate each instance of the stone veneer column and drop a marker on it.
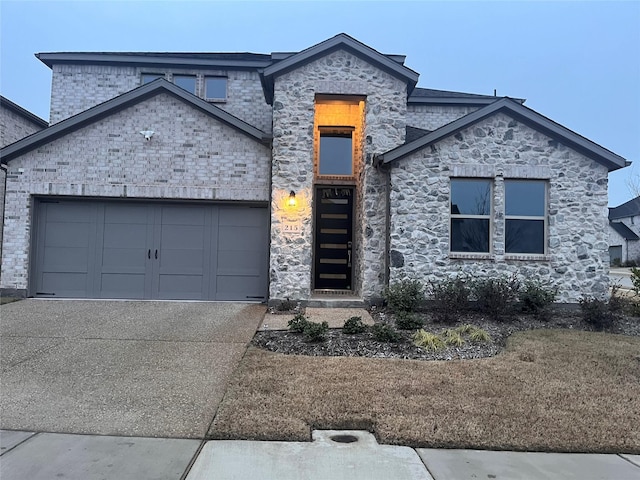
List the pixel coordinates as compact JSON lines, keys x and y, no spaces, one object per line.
{"x":338,"y":73}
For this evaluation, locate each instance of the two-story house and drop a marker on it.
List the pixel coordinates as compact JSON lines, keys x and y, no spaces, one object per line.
{"x":312,"y":175}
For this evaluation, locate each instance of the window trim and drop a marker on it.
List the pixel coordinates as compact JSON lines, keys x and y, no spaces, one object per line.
{"x":215,"y":99}
{"x":475,"y":255}
{"x":543,"y":217}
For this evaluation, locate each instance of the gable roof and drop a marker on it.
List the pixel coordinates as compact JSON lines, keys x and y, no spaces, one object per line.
{"x":524,"y":114}
{"x":342,"y":41}
{"x":121,"y":102}
{"x":624,"y":231}
{"x":627,"y":209}
{"x":23,"y":112}
{"x":430,"y":96}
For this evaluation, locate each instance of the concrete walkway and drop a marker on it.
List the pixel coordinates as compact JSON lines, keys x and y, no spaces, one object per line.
{"x":87,"y":457}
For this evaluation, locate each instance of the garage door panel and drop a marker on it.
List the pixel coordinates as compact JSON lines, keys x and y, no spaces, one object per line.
{"x":240,"y":288}
{"x":61,"y":259}
{"x":106,"y":249}
{"x":122,"y":285}
{"x":187,"y":237}
{"x":64,"y":284}
{"x":186,"y":287}
{"x":127,"y":213}
{"x":240,"y":263}
{"x":68,"y":234}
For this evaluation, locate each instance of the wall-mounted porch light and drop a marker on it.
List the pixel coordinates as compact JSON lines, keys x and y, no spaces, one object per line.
{"x":292,"y":199}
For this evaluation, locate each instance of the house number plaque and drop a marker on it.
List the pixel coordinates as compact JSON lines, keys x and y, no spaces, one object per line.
{"x":291,"y":227}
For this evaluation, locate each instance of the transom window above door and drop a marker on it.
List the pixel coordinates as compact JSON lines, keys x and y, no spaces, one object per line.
{"x":336,"y":152}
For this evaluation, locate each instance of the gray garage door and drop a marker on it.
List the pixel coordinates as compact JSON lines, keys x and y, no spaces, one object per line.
{"x":92,"y":249}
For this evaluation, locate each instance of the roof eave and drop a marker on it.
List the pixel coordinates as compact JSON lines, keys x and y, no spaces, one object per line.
{"x":121,"y":102}
{"x":32,"y":117}
{"x":522,"y":113}
{"x":456,"y":100}
{"x":51,"y":59}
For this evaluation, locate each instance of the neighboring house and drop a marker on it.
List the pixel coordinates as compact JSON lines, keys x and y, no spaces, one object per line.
{"x":624,"y":227}
{"x":15,"y":123}
{"x":314,"y":175}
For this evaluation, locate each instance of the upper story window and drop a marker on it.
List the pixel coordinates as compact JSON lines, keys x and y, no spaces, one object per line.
{"x":186,"y":82}
{"x":470,"y":211}
{"x":150,"y":77}
{"x":336,"y":152}
{"x":215,"y":88}
{"x":525,"y":216}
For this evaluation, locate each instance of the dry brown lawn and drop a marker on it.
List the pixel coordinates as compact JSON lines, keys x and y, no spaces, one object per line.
{"x":550,"y":390}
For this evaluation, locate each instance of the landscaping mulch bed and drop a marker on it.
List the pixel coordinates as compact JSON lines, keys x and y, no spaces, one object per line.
{"x":338,"y":343}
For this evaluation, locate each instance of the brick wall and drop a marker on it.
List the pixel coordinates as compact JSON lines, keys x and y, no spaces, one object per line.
{"x":76,"y":88}
{"x":13,"y":127}
{"x":191,"y":156}
{"x":431,"y":117}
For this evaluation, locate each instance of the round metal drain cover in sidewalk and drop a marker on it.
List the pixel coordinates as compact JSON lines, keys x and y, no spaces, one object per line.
{"x":344,"y":438}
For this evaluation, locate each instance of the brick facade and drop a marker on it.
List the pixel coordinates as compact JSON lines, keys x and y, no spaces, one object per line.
{"x":191,"y":156}
{"x":75,"y":88}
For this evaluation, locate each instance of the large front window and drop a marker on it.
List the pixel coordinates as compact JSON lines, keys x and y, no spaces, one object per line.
{"x":525,"y":216}
{"x":470,"y":210}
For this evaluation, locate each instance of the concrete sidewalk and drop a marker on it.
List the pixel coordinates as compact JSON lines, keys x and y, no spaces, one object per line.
{"x":335,"y":455}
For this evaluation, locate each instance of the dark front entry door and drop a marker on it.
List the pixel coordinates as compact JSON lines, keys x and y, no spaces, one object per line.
{"x":333,"y":247}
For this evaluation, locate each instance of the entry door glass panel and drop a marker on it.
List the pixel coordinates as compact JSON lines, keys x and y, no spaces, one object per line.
{"x":333,"y":238}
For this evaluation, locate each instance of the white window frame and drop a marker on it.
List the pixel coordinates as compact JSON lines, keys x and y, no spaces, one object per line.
{"x":489,"y":217}
{"x":542,"y":217}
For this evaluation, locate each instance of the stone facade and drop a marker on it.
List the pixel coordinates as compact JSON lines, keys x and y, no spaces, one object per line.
{"x":337,"y":73}
{"x":75,"y":88}
{"x":499,"y":148}
{"x":191,"y":156}
{"x":432,"y":117}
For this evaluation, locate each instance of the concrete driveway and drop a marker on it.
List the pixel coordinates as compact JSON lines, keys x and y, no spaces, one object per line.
{"x":154,"y":369}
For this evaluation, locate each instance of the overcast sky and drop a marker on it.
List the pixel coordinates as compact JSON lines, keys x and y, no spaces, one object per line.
{"x":577,"y":63}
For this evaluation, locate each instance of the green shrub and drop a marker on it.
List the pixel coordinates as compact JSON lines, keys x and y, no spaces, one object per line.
{"x":405,"y":296}
{"x":449,"y":298}
{"x":427,"y":340}
{"x":354,"y":325}
{"x":596,"y":313}
{"x":408,"y":321}
{"x":384,"y":333}
{"x":315,"y":332}
{"x":298,"y":323}
{"x":635,"y":279}
{"x":536,"y":298}
{"x":496,"y":296}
